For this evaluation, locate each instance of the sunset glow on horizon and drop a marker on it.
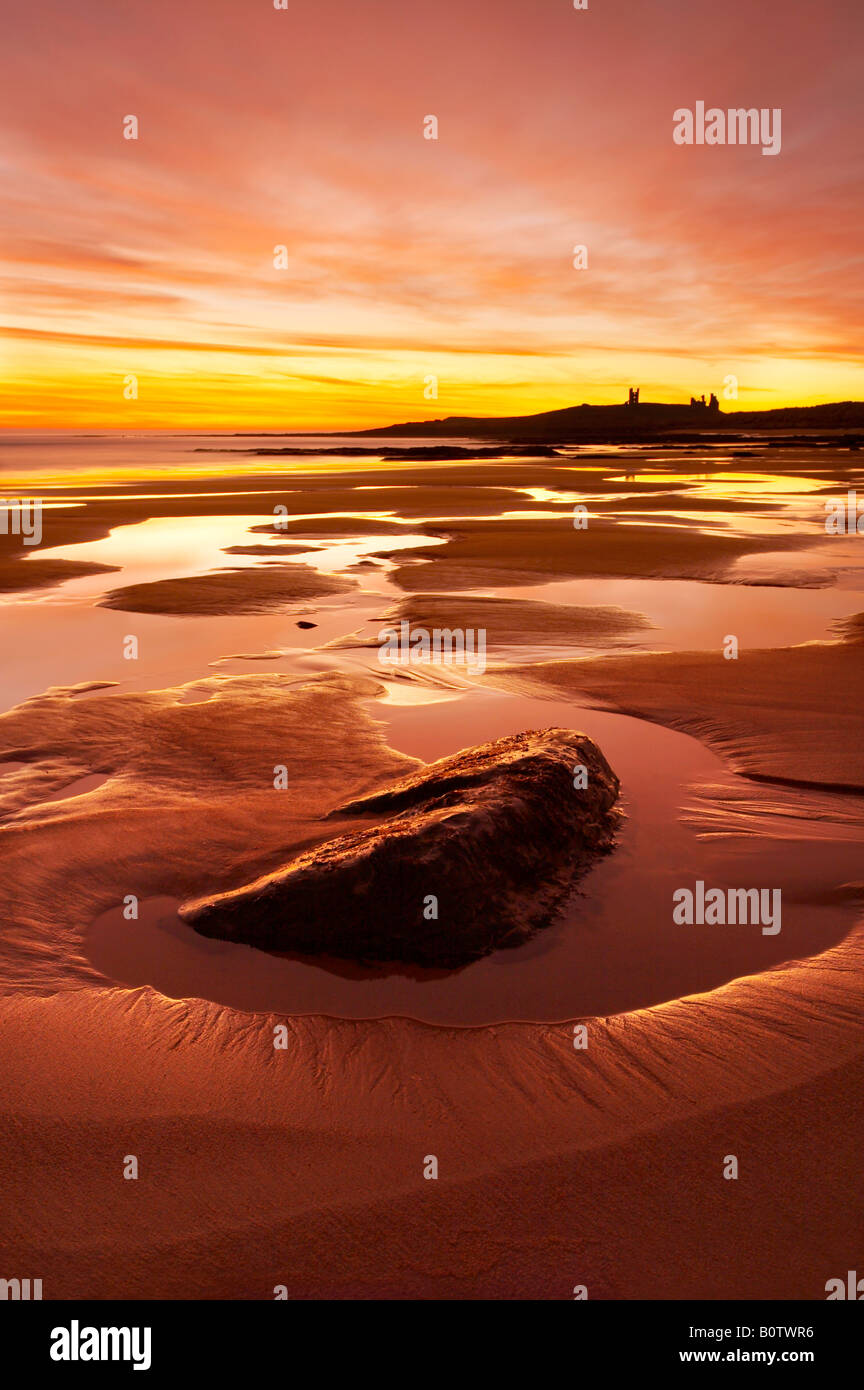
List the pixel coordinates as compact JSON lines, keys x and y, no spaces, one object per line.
{"x":409,"y":258}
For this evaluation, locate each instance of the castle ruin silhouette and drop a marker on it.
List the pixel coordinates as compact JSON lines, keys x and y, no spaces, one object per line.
{"x":713,"y":404}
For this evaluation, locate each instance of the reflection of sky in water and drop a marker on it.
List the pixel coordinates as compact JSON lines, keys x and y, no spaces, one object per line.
{"x":161,"y":547}
{"x":730,"y":485}
{"x":59,"y":636}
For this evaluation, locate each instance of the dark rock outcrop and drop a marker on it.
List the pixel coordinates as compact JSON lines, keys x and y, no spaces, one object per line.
{"x":474,"y":852}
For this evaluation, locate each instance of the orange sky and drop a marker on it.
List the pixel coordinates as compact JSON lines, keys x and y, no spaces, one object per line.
{"x":410,"y":258}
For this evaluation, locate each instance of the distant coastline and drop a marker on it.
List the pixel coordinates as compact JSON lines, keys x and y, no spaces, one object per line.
{"x":645,"y":420}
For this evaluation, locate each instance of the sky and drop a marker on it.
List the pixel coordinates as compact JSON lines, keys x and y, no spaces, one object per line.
{"x":140,"y":287}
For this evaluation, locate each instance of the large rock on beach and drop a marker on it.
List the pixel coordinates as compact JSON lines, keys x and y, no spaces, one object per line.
{"x":474,"y":852}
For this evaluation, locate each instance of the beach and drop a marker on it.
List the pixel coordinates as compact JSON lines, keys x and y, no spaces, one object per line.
{"x":282,"y":1106}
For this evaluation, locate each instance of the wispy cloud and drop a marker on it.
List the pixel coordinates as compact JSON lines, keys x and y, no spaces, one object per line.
{"x":261,"y":128}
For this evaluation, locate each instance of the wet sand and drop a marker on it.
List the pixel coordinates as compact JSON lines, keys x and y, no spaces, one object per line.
{"x":791,"y":714}
{"x":303,"y":1165}
{"x":226,"y":591}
